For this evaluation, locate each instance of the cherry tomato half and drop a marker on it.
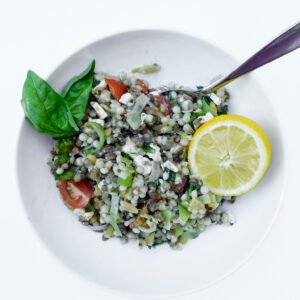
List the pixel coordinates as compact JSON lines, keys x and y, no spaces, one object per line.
{"x":142,"y":84}
{"x":117,"y":88}
{"x":76,"y":194}
{"x":162,"y":100}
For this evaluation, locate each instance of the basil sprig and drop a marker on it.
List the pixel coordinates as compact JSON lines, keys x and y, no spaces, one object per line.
{"x":77,"y":92}
{"x":46,"y":110}
{"x":54,"y":114}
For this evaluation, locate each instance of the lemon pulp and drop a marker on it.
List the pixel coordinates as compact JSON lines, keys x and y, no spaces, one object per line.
{"x":230,"y":154}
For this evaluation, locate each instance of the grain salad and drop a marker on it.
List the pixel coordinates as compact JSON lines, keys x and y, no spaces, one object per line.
{"x":127,"y":166}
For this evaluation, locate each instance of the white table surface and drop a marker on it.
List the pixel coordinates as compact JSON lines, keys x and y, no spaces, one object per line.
{"x":41,"y":34}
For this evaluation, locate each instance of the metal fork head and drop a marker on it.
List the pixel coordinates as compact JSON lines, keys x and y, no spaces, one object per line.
{"x":164,"y":90}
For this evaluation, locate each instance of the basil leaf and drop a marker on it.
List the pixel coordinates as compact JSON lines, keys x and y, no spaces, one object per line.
{"x":64,"y":145}
{"x":172,"y":177}
{"x":46,"y":110}
{"x":77,"y":92}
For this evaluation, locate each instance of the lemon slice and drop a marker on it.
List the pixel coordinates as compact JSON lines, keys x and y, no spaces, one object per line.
{"x":230,"y":154}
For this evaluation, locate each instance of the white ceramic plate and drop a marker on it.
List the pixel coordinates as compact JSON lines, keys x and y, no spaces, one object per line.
{"x":159,"y":272}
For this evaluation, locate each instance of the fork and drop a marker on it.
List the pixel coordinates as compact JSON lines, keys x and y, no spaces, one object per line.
{"x":286,"y":42}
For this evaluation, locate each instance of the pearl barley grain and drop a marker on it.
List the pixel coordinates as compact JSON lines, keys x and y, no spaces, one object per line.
{"x":204,"y":189}
{"x":140,"y":175}
{"x":59,"y":171}
{"x":83,"y":137}
{"x":104,"y":170}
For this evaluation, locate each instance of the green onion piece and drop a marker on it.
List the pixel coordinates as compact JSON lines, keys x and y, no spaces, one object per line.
{"x":134,"y":115}
{"x":146,"y":69}
{"x":160,"y":242}
{"x":205,"y":199}
{"x":184,"y":214}
{"x":208,"y":106}
{"x":190,"y":235}
{"x":205,"y":106}
{"x":109,"y":231}
{"x":178,"y":231}
{"x":213,"y":109}
{"x":101,"y":135}
{"x":166,"y":214}
{"x":136,"y":70}
{"x":191,"y":222}
{"x":125,"y":179}
{"x":191,"y":187}
{"x":150,"y":239}
{"x":114,"y":213}
{"x":87,"y":150}
{"x":185,"y":203}
{"x":126,"y":159}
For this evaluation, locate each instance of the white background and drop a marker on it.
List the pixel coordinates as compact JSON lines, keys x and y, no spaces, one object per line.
{"x":41,"y":34}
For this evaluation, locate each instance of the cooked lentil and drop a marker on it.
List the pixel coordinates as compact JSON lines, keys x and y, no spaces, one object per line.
{"x":143,"y":189}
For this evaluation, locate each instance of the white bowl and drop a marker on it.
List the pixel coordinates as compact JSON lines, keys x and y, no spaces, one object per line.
{"x":159,"y":272}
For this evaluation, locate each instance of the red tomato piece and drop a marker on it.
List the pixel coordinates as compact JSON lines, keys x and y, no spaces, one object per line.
{"x":76,"y":194}
{"x":142,"y":84}
{"x":117,"y":88}
{"x":162,"y":100}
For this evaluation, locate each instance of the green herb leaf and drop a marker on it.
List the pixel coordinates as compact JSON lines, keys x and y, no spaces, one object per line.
{"x":172,"y":176}
{"x":77,"y":92}
{"x":46,"y":110}
{"x":194,"y":116}
{"x":208,"y":106}
{"x":125,"y":179}
{"x":64,"y":145}
{"x":63,"y":148}
{"x":115,"y":200}
{"x":101,"y":135}
{"x":148,"y":149}
{"x":67,"y":175}
{"x":89,"y":208}
{"x":224,"y":110}
{"x":191,"y":187}
{"x":126,"y":159}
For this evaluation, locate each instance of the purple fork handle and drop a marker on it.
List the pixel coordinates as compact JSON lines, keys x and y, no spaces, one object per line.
{"x":283,"y":44}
